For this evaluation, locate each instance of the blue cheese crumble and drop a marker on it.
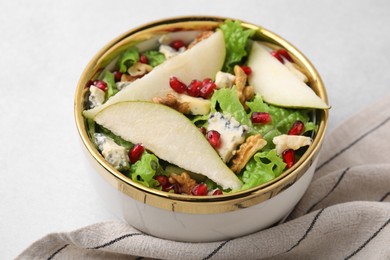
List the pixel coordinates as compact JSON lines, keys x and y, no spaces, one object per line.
{"x":231,"y":131}
{"x":114,"y":154}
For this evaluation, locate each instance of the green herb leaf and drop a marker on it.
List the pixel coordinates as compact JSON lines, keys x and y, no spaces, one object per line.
{"x":263,"y":167}
{"x":236,"y":40}
{"x":154,"y":58}
{"x":128,"y":59}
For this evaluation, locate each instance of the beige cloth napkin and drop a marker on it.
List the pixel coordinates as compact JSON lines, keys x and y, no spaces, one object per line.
{"x":345,"y":213}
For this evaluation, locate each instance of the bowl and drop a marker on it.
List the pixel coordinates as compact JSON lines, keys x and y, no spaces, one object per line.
{"x":198,"y":218}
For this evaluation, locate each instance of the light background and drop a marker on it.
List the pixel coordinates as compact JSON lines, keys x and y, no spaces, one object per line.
{"x":45,"y":45}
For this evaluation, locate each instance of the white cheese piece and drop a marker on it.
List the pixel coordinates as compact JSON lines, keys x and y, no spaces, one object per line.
{"x":96,"y":96}
{"x":168,"y":51}
{"x":224,"y":80}
{"x":198,"y":106}
{"x":114,"y":154}
{"x":284,"y":142}
{"x":122,"y":84}
{"x":231,"y":131}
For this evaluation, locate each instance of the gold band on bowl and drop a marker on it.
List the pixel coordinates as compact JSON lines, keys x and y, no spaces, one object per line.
{"x":186,"y":203}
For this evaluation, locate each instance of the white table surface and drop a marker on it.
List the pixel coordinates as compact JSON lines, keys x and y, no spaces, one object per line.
{"x":46,"y":44}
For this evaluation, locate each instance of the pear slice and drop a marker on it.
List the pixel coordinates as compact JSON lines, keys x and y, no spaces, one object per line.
{"x":170,"y":136}
{"x":202,"y":61}
{"x":277,"y":84}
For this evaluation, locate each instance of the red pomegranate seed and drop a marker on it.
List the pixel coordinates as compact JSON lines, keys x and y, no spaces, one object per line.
{"x":217,"y":192}
{"x":247,"y":70}
{"x":194,"y":88}
{"x":214,"y":138}
{"x":117,"y":75}
{"x":100,"y":84}
{"x":177,"y":44}
{"x":277,"y":55}
{"x":177,"y":85}
{"x":200,"y":190}
{"x":136,"y":153}
{"x":285,"y":54}
{"x":289,"y":157}
{"x":143,"y":59}
{"x":163,"y":180}
{"x":203,"y":130}
{"x":260,"y":118}
{"x":297,"y":128}
{"x":175,"y":187}
{"x":207,"y":89}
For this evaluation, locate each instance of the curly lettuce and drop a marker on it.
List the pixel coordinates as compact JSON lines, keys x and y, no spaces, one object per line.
{"x":155,"y":58}
{"x":236,"y":41}
{"x":263,"y":167}
{"x":128,"y":59}
{"x":109,"y":78}
{"x":144,"y":170}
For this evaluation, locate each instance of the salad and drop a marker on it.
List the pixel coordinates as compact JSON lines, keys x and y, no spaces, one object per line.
{"x":222,"y":98}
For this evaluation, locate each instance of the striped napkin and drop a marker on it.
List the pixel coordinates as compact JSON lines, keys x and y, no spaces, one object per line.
{"x":344,"y":214}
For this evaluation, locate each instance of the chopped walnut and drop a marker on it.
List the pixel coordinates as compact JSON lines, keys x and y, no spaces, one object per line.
{"x":240,"y":82}
{"x":139,"y":69}
{"x":128,"y":78}
{"x":170,"y":100}
{"x":184,"y":180}
{"x":249,"y":93}
{"x":252,"y":144}
{"x":200,"y":37}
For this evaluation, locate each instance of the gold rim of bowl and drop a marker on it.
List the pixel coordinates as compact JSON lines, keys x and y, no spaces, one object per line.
{"x":186,"y":203}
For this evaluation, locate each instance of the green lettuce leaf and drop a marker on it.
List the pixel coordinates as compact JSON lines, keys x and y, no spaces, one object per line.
{"x":109,"y":78}
{"x":144,"y":170}
{"x":226,"y":100}
{"x":263,"y":167}
{"x":128,"y":58}
{"x":154,"y":58}
{"x":281,"y":120}
{"x":117,"y":139}
{"x":236,"y":39}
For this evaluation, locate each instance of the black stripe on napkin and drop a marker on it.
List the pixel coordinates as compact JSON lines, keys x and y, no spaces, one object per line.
{"x":331,"y":190}
{"x":308,"y":230}
{"x":217,"y":249}
{"x":56,"y":252}
{"x":385,"y":197}
{"x":368,"y":240}
{"x":117,"y":239}
{"x":353,"y":143}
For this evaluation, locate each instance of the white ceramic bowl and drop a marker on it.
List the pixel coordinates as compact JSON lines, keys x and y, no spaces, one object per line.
{"x":191,"y":218}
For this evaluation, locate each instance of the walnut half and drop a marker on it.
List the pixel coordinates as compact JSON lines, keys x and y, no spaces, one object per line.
{"x":170,"y":100}
{"x":184,"y":180}
{"x":252,"y":144}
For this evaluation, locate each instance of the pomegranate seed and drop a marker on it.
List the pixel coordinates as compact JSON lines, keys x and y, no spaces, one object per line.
{"x":289,"y":157}
{"x":260,"y":118}
{"x":203,"y":130}
{"x":200,"y":190}
{"x":100,"y":84}
{"x":177,"y":85}
{"x":207,"y":89}
{"x":214,"y":138}
{"x":194,"y":88}
{"x":285,"y":54}
{"x":177,"y":44}
{"x":89,"y":83}
{"x":217,"y":192}
{"x":117,"y":75}
{"x":163,"y":180}
{"x":143,"y":59}
{"x":136,"y":153}
{"x":175,"y":187}
{"x":277,"y":55}
{"x":247,"y":70}
{"x":297,"y":128}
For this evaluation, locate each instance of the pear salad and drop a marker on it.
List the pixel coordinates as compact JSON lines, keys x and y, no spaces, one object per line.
{"x":202,"y":112}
